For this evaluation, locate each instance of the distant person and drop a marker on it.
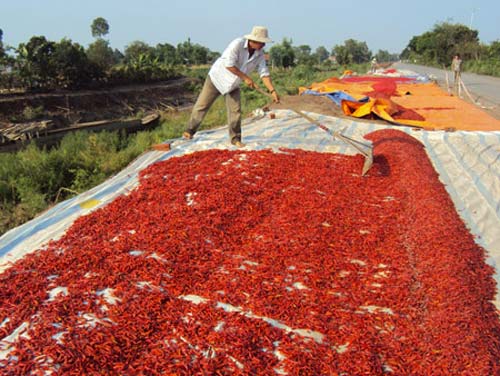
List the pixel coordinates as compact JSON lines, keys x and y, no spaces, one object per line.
{"x":241,"y":57}
{"x":374,"y":65}
{"x":456,"y":67}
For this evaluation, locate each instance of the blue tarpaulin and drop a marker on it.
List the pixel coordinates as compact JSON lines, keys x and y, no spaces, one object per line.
{"x":336,"y":96}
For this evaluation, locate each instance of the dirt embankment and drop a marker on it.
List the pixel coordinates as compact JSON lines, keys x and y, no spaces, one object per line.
{"x":65,"y":108}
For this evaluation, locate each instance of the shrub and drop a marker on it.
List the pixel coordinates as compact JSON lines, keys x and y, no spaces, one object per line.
{"x":33,"y":113}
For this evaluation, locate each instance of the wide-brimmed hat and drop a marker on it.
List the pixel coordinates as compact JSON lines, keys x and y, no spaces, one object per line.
{"x":259,"y":34}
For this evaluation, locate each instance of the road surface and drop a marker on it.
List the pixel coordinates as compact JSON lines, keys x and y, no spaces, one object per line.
{"x":484,"y":89}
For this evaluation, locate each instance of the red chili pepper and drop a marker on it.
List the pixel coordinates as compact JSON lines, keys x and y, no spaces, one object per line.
{"x":300,"y":265}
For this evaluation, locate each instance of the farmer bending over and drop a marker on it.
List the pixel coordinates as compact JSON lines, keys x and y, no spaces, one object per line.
{"x":239,"y":59}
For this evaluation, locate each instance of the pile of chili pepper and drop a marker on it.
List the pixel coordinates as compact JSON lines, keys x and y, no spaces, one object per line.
{"x":261,"y":262}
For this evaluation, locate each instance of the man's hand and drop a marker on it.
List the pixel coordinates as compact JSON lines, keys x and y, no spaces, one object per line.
{"x":245,"y":78}
{"x":269,"y":84}
{"x":249,"y":82}
{"x":276,"y":97}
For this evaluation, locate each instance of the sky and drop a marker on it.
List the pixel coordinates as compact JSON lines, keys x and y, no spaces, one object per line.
{"x":384,"y":25}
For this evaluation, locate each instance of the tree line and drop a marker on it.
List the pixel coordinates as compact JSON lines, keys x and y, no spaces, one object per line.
{"x":438,"y":46}
{"x":43,"y":64}
{"x":351,"y":52}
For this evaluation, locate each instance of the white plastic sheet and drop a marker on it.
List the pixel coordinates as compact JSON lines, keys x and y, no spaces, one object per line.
{"x":468,"y":164}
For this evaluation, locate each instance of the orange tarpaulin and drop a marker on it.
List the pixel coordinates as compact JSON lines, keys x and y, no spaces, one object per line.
{"x":437,"y":109}
{"x":449,"y":112}
{"x":384,"y":109}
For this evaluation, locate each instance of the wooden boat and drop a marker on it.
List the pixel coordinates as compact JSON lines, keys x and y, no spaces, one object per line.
{"x":16,"y":136}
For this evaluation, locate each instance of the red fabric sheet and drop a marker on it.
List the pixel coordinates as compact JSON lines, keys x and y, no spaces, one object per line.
{"x":378,"y":79}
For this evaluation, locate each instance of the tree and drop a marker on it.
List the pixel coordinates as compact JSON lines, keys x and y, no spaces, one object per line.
{"x":212,"y":56}
{"x":494,"y":50}
{"x":2,"y":50}
{"x":282,"y":55}
{"x":166,"y":53}
{"x":5,"y":61}
{"x":341,"y":55}
{"x":199,"y":54}
{"x":189,"y":53}
{"x":118,"y":56}
{"x":137,"y":48}
{"x":303,"y":55}
{"x":101,"y":54}
{"x":4,"y":58}
{"x":99,"y":27}
{"x":46,"y":64}
{"x":184,"y":52}
{"x":71,"y":66}
{"x":358,"y":51}
{"x":34,"y":61}
{"x":445,"y":40}
{"x":352,"y":51}
{"x":383,"y":56}
{"x":321,"y":54}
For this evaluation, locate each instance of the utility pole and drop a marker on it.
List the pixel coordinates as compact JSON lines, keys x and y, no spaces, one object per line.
{"x":472,"y":17}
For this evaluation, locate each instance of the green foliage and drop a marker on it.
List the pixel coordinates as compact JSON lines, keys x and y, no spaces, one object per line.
{"x":102,"y":55}
{"x":99,"y":27}
{"x":341,"y":54}
{"x":303,"y":55}
{"x":134,"y":50}
{"x":487,"y":66}
{"x":72,"y":67}
{"x":192,"y":54}
{"x":143,"y":63}
{"x":172,"y":126}
{"x":199,"y":73}
{"x":143,"y":68}
{"x":8,"y":172}
{"x":282,"y":55}
{"x":321,"y":55}
{"x":31,"y":179}
{"x":303,"y":75}
{"x":352,"y":52}
{"x":439,"y":45}
{"x":2,"y":50}
{"x":493,"y":51}
{"x":167,"y":53}
{"x":33,"y":113}
{"x":44,"y":64}
{"x":384,"y":56}
{"x":33,"y":61}
{"x":23,"y":183}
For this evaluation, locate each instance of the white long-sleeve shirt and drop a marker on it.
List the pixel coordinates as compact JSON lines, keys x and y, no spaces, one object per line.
{"x":236,"y":55}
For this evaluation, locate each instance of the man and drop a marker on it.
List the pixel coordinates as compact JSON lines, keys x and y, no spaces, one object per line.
{"x":373,"y":65}
{"x":239,"y":59}
{"x":456,"y":67}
